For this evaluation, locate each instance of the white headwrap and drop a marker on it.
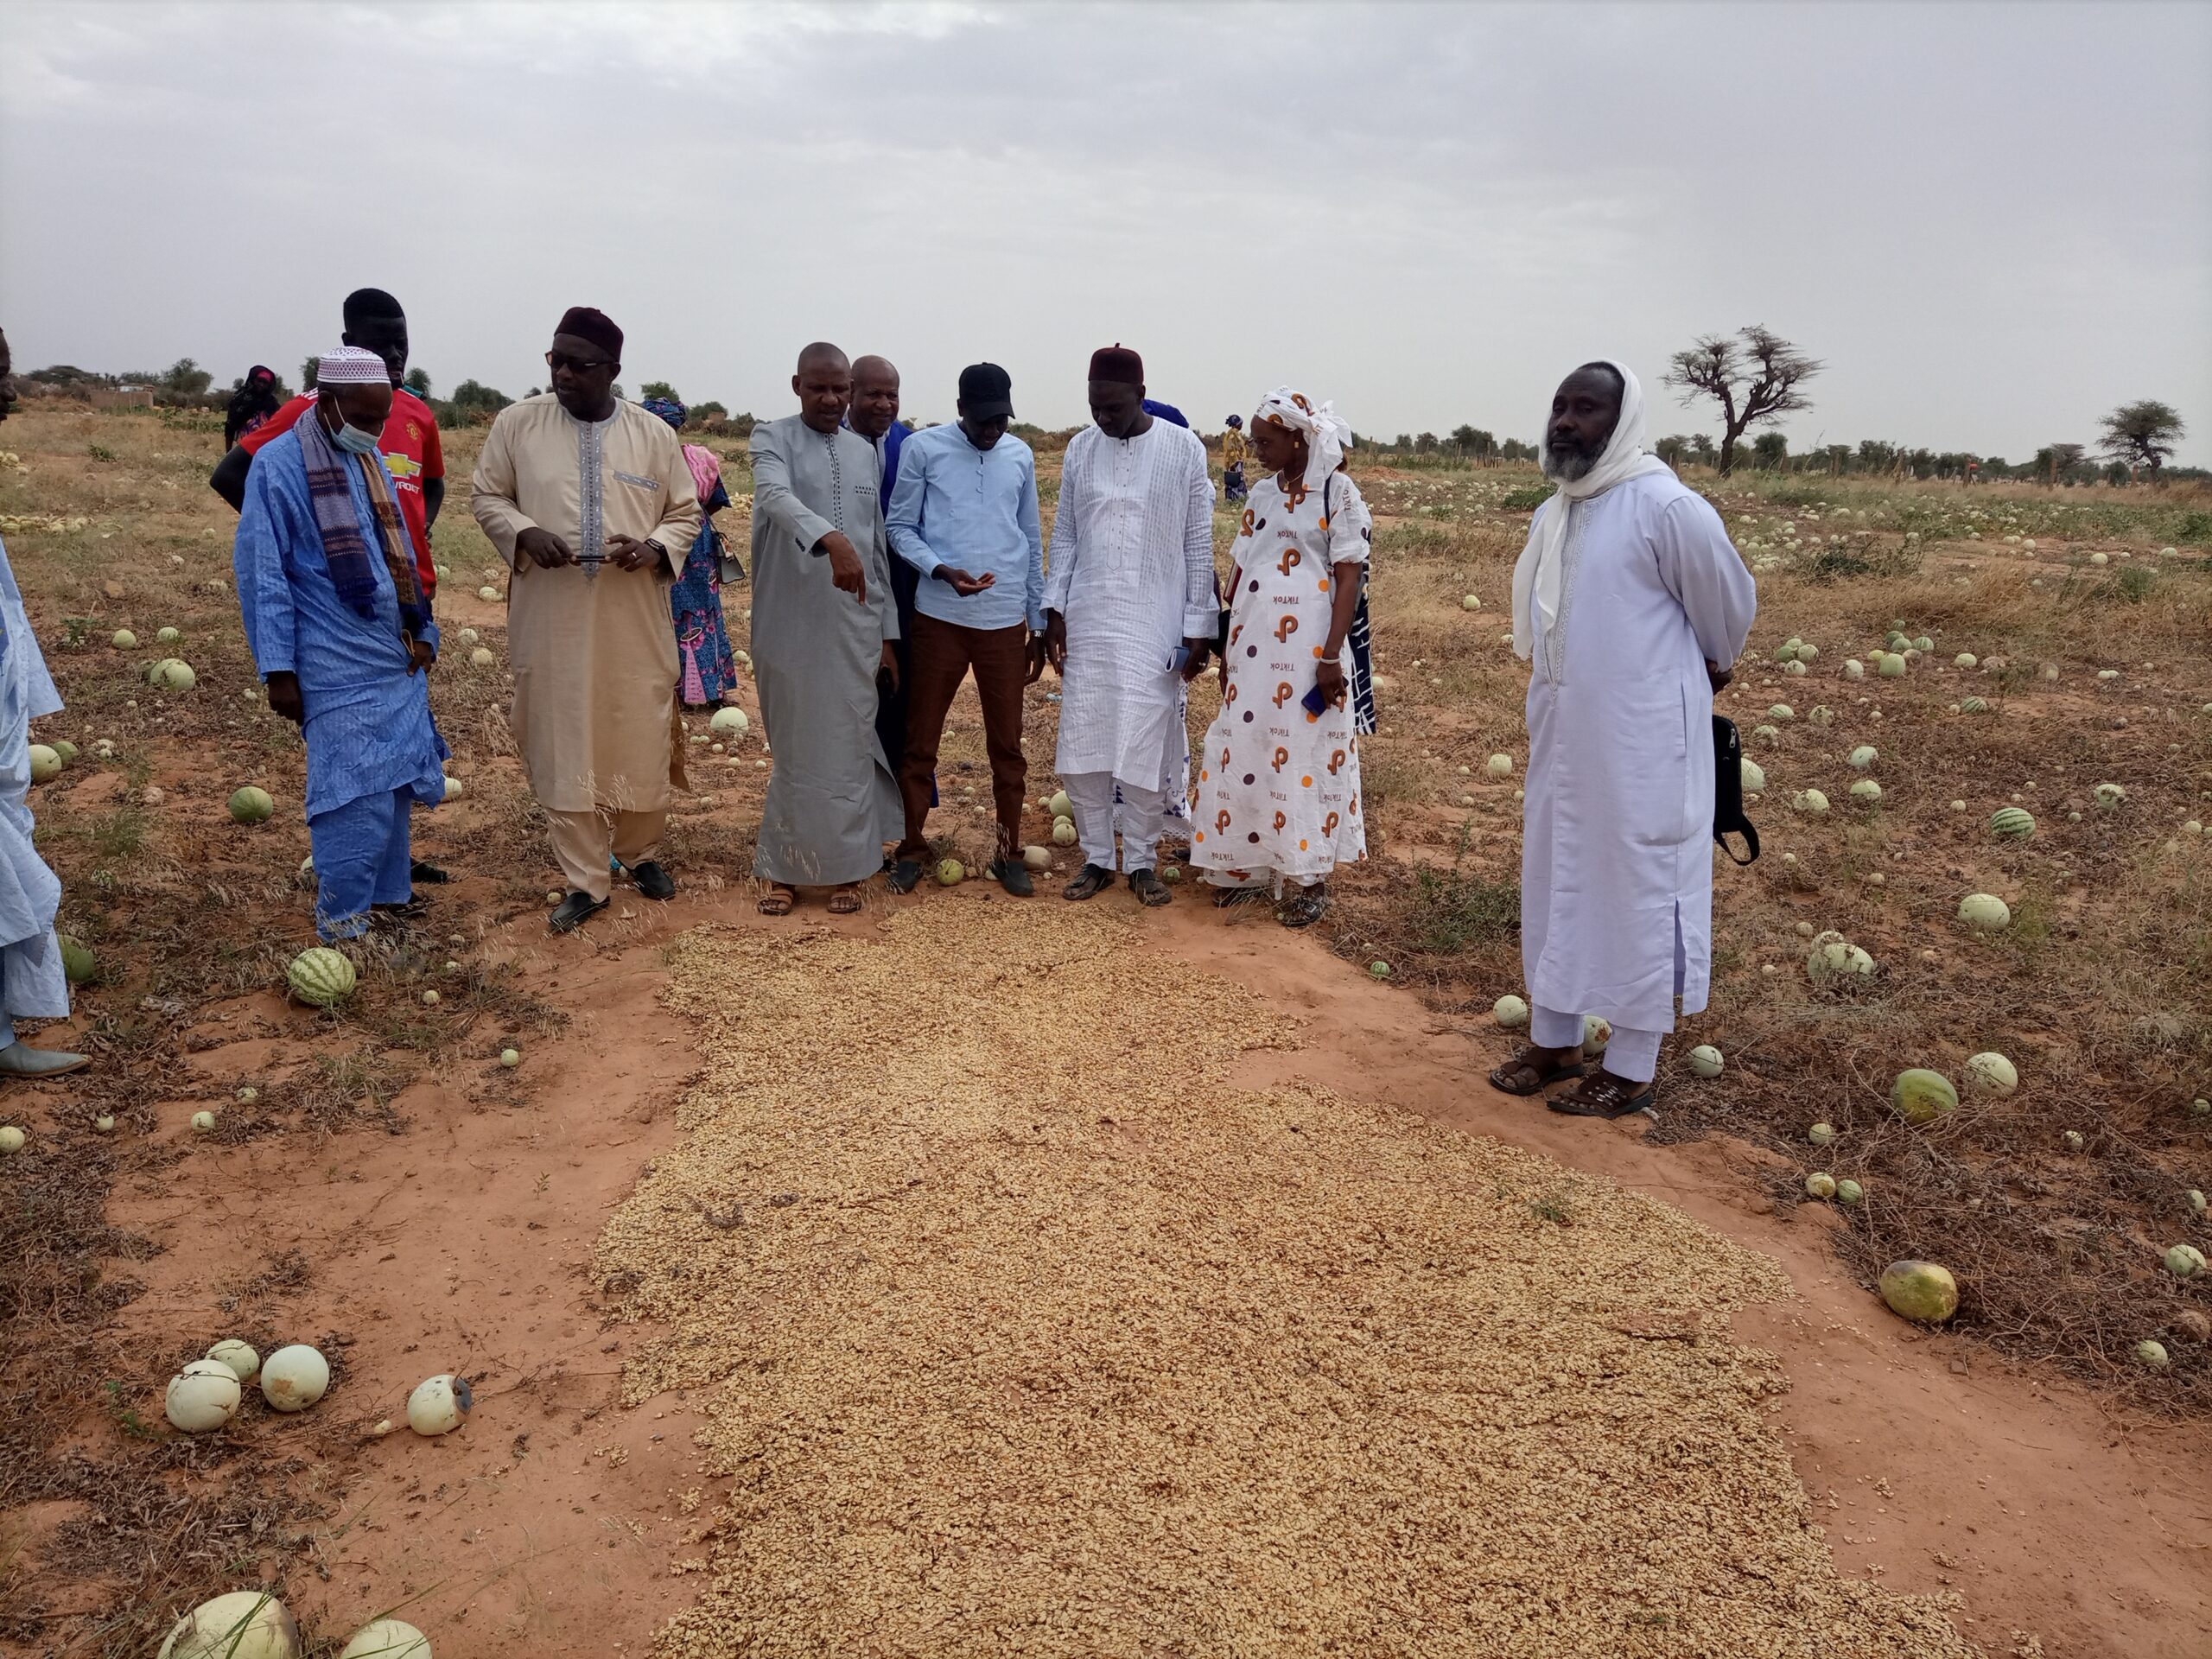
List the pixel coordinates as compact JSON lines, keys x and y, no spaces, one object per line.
{"x":351,"y":366}
{"x":1326,"y":433}
{"x":1541,"y":574}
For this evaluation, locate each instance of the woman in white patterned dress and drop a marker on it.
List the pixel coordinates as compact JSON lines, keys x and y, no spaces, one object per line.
{"x":1277,"y":803}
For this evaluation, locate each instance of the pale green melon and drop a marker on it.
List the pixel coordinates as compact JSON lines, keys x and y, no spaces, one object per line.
{"x":177,"y":676}
{"x":1866,"y":790}
{"x":1853,"y":668}
{"x":45,"y":763}
{"x":1922,"y":1291}
{"x":245,"y":1625}
{"x":1984,"y":911}
{"x":1059,"y":806}
{"x":2184,"y":1261}
{"x":165,"y":636}
{"x":250,"y":805}
{"x":951,"y":872}
{"x":1893,"y":666}
{"x":1062,"y":832}
{"x":2152,"y":1353}
{"x":1754,"y":776}
{"x":387,"y":1638}
{"x":1849,"y":1191}
{"x":1510,"y":1013}
{"x":1810,"y":801}
{"x":1991,"y":1073}
{"x":1964,"y":659}
{"x":729,"y":719}
{"x":65,"y":748}
{"x":1036,"y":858}
{"x":1821,"y":1134}
{"x":1920,"y":1096}
{"x":1706,"y":1061}
{"x":1819,"y":1185}
{"x":1863,"y":756}
{"x":2110,"y":796}
{"x":123,"y":639}
{"x":320,"y":976}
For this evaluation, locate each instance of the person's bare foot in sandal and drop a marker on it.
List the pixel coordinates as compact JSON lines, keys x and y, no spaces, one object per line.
{"x":846,"y":900}
{"x":1535,"y":1069}
{"x":1603,"y":1095}
{"x":778,"y":900}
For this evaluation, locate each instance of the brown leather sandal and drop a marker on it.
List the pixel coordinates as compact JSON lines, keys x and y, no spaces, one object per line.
{"x":1527,"y":1075}
{"x":845,"y":901}
{"x":778,"y":900}
{"x":1603,"y":1095}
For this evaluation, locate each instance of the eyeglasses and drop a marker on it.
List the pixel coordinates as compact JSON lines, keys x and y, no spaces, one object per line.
{"x":558,"y":360}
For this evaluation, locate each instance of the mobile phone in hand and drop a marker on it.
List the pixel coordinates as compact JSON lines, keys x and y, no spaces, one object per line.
{"x":1315,"y":704}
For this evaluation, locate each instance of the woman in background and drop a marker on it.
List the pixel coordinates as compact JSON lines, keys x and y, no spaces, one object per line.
{"x":709,"y":668}
{"x":254,"y":402}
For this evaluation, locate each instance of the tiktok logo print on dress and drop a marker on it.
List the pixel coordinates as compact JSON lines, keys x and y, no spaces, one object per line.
{"x":1278,"y":788}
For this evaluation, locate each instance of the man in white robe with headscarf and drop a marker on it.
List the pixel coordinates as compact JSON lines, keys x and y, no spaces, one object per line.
{"x":1630,"y":604}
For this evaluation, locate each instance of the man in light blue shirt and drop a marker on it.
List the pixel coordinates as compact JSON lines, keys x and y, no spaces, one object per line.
{"x":964,"y":514}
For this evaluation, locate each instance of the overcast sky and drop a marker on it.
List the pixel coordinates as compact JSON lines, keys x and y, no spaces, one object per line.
{"x":1995,"y":222}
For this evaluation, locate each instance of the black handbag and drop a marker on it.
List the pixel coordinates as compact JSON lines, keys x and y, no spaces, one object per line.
{"x":1728,"y":817}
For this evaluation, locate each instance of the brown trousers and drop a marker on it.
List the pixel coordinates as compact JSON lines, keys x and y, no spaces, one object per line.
{"x":943,"y":654}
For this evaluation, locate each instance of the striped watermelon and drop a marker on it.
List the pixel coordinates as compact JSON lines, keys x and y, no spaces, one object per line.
{"x":320,"y":976}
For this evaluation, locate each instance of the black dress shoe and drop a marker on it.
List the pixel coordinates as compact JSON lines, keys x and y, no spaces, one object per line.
{"x":573,"y":911}
{"x":652,"y":881}
{"x":429,"y":875}
{"x":1013,"y":876}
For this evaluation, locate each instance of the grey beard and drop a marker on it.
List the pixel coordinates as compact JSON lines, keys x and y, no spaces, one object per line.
{"x":1565,"y":467}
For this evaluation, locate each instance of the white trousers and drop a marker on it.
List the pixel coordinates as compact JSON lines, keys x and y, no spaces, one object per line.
{"x":1098,"y":814}
{"x":1632,"y":1056}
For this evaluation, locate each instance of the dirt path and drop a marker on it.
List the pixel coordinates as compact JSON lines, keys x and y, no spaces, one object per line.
{"x":832,"y":1335}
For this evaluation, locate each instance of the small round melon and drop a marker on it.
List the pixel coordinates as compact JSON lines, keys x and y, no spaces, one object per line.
{"x":1706,"y":1061}
{"x":240,"y":1357}
{"x":1821,"y":1134}
{"x":1471,"y":603}
{"x":1920,"y":1096}
{"x":104,"y":1124}
{"x":1984,"y":911}
{"x":1499,"y":765}
{"x":1973,"y":706}
{"x":65,"y":748}
{"x":123,"y":639}
{"x":1062,"y":832}
{"x":2152,"y":1354}
{"x":320,"y":976}
{"x":1036,"y":858}
{"x":438,"y":1404}
{"x":244,"y":1625}
{"x":79,"y":965}
{"x":177,"y":676}
{"x":1863,"y":756}
{"x":1853,"y":668}
{"x":1848,"y":1192}
{"x":11,"y":1139}
{"x":2109,"y":795}
{"x":1510,"y":1013}
{"x":2184,"y":1261}
{"x":1781,"y":711}
{"x":1819,"y":1185}
{"x":294,"y":1377}
{"x":951,"y":872}
{"x":1893,"y":666}
{"x":1866,"y":790}
{"x":1964,"y":659}
{"x":203,"y":1122}
{"x":1991,"y":1073}
{"x":201,"y":1397}
{"x":386,"y":1639}
{"x":467,"y":636}
{"x":1059,"y":806}
{"x":510,"y":1058}
{"x":481,"y":658}
{"x":1379,"y":970}
{"x":1810,"y":801}
{"x":1754,"y":776}
{"x":250,"y":805}
{"x":2012,"y":823}
{"x":165,"y":636}
{"x":45,"y":763}
{"x":1597,"y":1032}
{"x":1920,"y":1291}
{"x":487,"y":593}
{"x":729,"y":718}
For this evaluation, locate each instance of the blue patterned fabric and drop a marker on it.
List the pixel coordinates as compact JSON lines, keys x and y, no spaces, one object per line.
{"x":361,"y":859}
{"x":368,"y":729}
{"x":32,"y":983}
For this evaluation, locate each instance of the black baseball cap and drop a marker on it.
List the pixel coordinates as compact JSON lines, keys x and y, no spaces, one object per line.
{"x":986,"y":392}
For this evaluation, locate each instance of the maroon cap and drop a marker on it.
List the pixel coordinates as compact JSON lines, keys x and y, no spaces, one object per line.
{"x":1117,"y":363}
{"x":587,"y":322}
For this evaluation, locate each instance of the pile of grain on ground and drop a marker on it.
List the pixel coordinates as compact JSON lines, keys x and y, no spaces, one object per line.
{"x":1027,"y":1331}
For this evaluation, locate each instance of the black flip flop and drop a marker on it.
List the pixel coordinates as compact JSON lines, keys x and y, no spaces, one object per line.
{"x":904,"y":875}
{"x":1089,"y":881}
{"x":1546,"y":1075}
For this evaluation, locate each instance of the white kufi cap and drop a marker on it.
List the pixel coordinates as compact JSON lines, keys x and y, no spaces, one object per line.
{"x":351,"y":366}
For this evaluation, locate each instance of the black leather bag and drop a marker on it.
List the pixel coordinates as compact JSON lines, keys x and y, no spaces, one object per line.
{"x":1728,"y":817}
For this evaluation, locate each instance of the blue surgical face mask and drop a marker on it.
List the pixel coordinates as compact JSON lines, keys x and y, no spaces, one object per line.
{"x":355,"y":441}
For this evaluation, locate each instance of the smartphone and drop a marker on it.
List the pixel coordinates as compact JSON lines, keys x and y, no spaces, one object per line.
{"x":1181,"y":660}
{"x":1315,"y":704}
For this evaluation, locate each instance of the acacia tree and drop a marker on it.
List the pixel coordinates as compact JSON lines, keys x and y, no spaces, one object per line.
{"x":1753,"y":374}
{"x":2142,"y":435}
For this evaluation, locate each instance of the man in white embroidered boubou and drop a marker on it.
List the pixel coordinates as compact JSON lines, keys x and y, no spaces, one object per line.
{"x":1630,"y":604}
